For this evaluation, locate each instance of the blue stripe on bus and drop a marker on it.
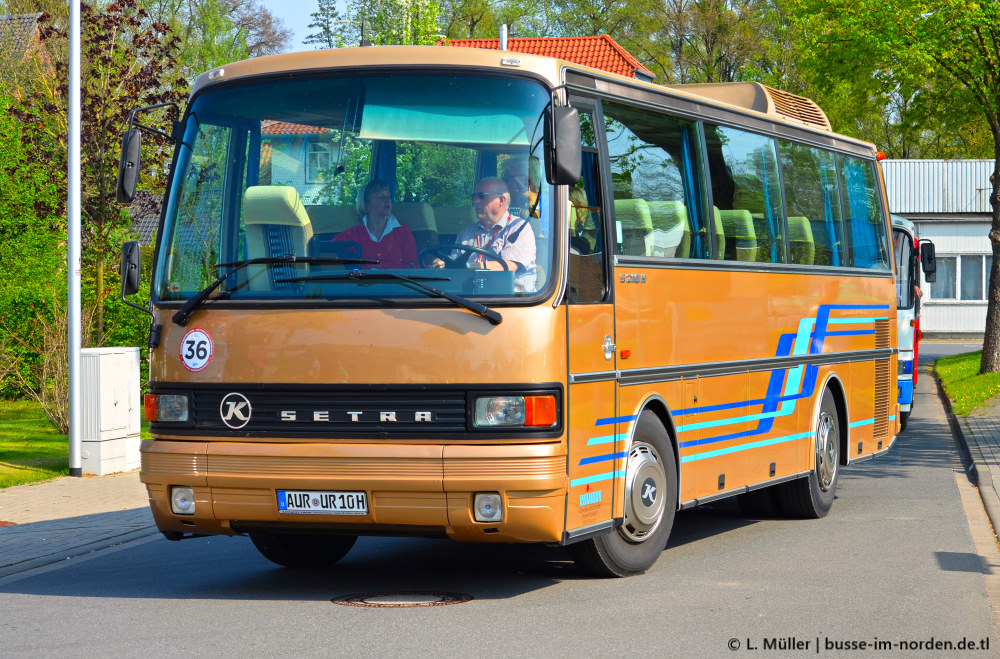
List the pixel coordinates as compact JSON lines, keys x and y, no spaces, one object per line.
{"x":602,"y":458}
{"x":785,"y":387}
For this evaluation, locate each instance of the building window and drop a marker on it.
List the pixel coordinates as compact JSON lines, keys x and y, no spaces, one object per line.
{"x":972,"y":278}
{"x":319,"y":157}
{"x":964,"y":277}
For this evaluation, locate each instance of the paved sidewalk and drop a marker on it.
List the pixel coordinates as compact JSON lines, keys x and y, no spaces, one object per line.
{"x":981,"y":433}
{"x":43,"y":523}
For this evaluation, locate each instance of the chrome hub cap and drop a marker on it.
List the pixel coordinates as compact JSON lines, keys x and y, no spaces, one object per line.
{"x":827,"y":444}
{"x":645,"y":492}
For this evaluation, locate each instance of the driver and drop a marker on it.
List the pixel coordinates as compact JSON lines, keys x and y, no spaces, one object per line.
{"x":508,"y":236}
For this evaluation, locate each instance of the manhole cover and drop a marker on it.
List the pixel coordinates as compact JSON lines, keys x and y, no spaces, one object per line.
{"x":2,"y":523}
{"x":401,"y":600}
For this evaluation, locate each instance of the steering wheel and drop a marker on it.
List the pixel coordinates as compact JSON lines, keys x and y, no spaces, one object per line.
{"x":443,"y":252}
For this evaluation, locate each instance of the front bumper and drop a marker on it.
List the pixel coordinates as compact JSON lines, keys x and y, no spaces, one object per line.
{"x":413,"y":489}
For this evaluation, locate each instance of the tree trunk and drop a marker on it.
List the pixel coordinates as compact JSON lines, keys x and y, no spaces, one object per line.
{"x":990,"y":362}
{"x":99,"y":311}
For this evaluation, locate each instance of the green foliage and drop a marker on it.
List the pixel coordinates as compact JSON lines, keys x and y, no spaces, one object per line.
{"x":216,"y":32}
{"x":326,"y":18}
{"x":966,"y":387}
{"x":32,"y":236}
{"x":386,"y":23}
{"x":884,"y":70}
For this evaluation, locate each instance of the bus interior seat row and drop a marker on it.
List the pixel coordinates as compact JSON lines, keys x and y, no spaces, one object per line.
{"x":661,"y":228}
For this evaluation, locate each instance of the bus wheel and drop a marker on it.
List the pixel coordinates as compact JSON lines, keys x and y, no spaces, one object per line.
{"x":302,"y":550}
{"x":903,"y":418}
{"x":812,"y":497}
{"x":650,"y":505}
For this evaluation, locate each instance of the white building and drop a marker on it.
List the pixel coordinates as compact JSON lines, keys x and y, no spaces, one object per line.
{"x":948,"y":200}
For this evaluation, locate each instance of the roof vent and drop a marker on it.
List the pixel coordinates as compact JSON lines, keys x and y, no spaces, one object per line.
{"x":761,"y":98}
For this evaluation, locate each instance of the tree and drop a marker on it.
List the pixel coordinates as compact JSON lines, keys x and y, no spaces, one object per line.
{"x":388,"y":23}
{"x":216,"y":32}
{"x":326,"y":18}
{"x":127,"y":61}
{"x":934,"y":46}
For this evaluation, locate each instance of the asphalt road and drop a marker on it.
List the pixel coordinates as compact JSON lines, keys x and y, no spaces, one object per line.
{"x":893,"y":562}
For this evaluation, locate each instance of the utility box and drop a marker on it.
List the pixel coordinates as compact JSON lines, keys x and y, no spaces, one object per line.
{"x":110,"y":405}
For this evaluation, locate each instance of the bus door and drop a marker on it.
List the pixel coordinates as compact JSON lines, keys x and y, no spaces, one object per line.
{"x":591,"y":344}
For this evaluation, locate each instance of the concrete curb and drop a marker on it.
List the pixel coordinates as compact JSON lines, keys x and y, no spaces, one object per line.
{"x":971,"y":454}
{"x":75,"y":552}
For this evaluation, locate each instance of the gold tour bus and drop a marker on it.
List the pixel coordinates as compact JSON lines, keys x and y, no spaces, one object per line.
{"x":593,"y":301}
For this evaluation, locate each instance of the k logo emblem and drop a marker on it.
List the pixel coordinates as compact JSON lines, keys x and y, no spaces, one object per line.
{"x":235,"y":410}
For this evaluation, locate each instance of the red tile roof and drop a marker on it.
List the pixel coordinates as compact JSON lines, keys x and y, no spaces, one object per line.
{"x":285,"y":128}
{"x":600,"y":52}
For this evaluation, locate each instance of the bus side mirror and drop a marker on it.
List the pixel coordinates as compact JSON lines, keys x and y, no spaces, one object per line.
{"x":927,"y":261}
{"x":131,"y":266}
{"x":562,"y":145}
{"x":128,"y":167}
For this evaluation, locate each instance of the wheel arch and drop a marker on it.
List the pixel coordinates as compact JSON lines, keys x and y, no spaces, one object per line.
{"x":836,"y":387}
{"x":659,"y":407}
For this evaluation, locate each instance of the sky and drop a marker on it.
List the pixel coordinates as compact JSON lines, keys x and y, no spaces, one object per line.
{"x":295,"y":14}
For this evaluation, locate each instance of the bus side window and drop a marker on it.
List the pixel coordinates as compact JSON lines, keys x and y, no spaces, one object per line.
{"x":587,"y":254}
{"x":745,"y":189}
{"x":655,"y":171}
{"x":865,"y":220}
{"x":812,"y":197}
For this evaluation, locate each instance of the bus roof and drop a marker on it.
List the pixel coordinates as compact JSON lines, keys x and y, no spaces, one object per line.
{"x":751,"y":97}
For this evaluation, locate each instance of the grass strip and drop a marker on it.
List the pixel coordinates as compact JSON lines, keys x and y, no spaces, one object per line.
{"x":962,"y":382}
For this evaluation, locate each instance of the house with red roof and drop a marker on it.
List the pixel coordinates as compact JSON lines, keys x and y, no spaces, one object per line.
{"x":599,"y":52}
{"x":299,"y":155}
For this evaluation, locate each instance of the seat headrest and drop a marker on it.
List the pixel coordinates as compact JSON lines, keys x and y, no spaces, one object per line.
{"x":799,"y":228}
{"x":633,"y":214}
{"x":417,"y":215}
{"x":332,"y":219}
{"x":667,"y":214}
{"x":274,"y":204}
{"x":738,"y":223}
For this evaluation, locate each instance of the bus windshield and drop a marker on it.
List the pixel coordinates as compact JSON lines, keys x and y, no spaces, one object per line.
{"x":435,"y":177}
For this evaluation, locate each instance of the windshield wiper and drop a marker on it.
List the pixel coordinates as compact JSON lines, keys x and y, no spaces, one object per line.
{"x":182,"y":315}
{"x":362,"y":275}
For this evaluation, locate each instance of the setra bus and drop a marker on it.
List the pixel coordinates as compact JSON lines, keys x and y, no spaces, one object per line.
{"x":702,"y":305}
{"x":911,"y":254}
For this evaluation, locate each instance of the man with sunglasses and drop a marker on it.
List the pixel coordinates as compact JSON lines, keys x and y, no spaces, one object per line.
{"x":506,"y":235}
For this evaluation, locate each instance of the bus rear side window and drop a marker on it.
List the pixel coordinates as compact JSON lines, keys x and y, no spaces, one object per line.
{"x":865,"y":220}
{"x":746,"y":195}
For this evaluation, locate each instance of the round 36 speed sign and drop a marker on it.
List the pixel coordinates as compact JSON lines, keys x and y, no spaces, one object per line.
{"x":196,"y":350}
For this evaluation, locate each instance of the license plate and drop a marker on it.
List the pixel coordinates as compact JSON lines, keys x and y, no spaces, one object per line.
{"x":322,"y":503}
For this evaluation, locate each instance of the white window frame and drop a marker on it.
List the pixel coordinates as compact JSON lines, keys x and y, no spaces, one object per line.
{"x":984,"y":273}
{"x":316,"y":152}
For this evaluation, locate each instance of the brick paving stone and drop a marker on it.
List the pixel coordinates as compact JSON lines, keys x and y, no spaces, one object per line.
{"x":68,"y":517}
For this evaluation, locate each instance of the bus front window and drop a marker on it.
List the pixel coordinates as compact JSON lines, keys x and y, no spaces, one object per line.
{"x":273,"y":171}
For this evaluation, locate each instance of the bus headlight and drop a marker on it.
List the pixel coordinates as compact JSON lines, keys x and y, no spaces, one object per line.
{"x":166,"y":407}
{"x":514,"y":411}
{"x":182,"y":500}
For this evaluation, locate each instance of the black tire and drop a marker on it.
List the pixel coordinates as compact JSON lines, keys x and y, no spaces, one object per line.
{"x":812,"y":497}
{"x":903,"y":418}
{"x":302,"y":550}
{"x":651,"y":471}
